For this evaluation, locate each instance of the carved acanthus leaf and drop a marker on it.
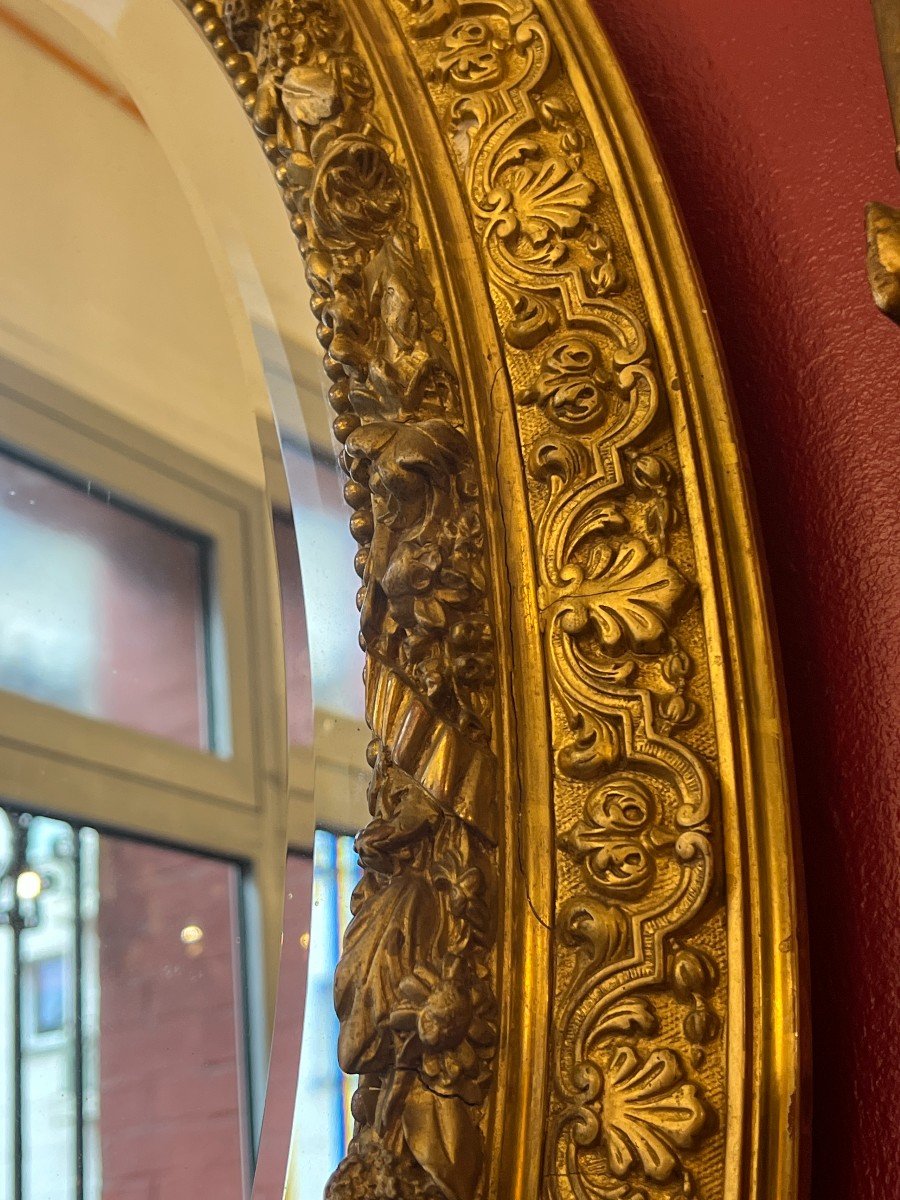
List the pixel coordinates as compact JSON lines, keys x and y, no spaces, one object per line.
{"x":629,"y":602}
{"x":542,"y":199}
{"x":381,"y":945}
{"x":445,"y":1139}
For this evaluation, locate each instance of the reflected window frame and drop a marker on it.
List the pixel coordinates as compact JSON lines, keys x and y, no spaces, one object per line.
{"x":93,"y":772}
{"x":80,"y":439}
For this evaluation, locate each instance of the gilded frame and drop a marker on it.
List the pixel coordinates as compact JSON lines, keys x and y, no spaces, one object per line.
{"x":574,"y":965}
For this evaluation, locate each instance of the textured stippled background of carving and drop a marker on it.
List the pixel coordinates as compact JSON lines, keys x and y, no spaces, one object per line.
{"x":773,"y":122}
{"x":637,"y":1060}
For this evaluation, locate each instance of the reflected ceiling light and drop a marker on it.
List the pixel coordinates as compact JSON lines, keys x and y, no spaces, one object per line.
{"x":191,"y":935}
{"x":29,"y":885}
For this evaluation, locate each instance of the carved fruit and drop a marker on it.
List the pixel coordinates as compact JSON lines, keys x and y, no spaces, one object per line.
{"x":444,"y":1019}
{"x":691,"y":973}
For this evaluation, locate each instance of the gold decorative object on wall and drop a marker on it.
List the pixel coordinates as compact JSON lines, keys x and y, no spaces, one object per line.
{"x":882,"y":221}
{"x":883,"y":256}
{"x":573,"y":965}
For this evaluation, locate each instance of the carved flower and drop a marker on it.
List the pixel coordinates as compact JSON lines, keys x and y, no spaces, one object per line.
{"x":614,"y":838}
{"x":447,"y":1019}
{"x":463,"y":885}
{"x":543,"y":199}
{"x":355,"y":80}
{"x":574,"y":385}
{"x":469,"y":55}
{"x":411,"y":571}
{"x":649,"y":1112}
{"x":456,"y":584}
{"x":420,"y":654}
{"x":357,"y":195}
{"x":410,"y":582}
{"x":467,"y":535}
{"x":431,"y":674}
{"x":420,"y":586}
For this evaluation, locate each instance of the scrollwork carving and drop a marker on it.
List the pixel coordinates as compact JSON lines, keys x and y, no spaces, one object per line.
{"x":615,"y":592}
{"x":575,"y":388}
{"x":626,"y":607}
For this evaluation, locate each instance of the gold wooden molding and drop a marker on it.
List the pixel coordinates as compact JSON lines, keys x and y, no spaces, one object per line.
{"x":886,"y":15}
{"x":573,"y":966}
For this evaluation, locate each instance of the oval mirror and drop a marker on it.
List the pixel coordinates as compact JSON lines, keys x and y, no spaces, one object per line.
{"x":183,"y":749}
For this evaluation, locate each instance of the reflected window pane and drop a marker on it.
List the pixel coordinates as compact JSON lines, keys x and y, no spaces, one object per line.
{"x":49,"y":990}
{"x":102,"y":610}
{"x":298,"y":677}
{"x":330,"y":583}
{"x":323,"y":1123}
{"x":120,"y":999}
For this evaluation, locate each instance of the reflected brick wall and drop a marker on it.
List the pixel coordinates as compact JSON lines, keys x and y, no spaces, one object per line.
{"x":171,"y":1078}
{"x":170,"y":1124}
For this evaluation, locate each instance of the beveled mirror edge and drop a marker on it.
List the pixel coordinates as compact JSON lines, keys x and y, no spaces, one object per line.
{"x":432,"y":1133}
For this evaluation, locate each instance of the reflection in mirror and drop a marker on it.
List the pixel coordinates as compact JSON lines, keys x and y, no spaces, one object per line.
{"x":73,"y":552}
{"x":182,"y":742}
{"x":320,"y":628}
{"x":119,"y":946}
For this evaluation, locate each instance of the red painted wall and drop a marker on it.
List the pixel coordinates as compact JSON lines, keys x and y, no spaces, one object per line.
{"x":772,"y":120}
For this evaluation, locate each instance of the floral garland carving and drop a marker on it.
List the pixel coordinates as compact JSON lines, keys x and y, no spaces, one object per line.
{"x":414,"y":988}
{"x":637,"y":1058}
{"x":617,"y":598}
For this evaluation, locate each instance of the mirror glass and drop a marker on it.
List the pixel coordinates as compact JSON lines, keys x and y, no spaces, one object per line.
{"x":182,"y":738}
